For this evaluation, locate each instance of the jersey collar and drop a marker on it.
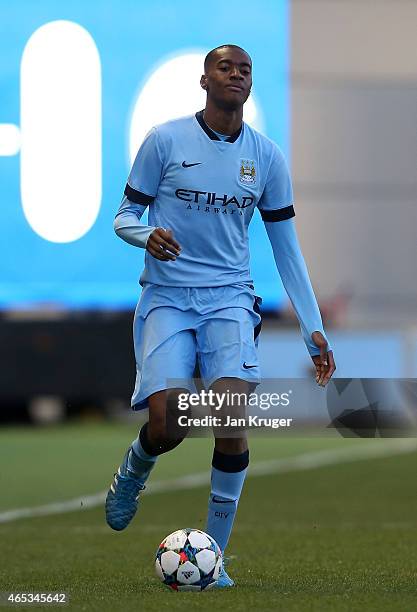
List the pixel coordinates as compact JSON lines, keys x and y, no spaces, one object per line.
{"x":211,"y":134}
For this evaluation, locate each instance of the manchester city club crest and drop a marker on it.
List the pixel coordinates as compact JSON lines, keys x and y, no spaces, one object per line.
{"x":247,"y":172}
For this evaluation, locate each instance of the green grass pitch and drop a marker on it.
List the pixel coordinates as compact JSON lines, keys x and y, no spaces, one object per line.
{"x":338,"y":538}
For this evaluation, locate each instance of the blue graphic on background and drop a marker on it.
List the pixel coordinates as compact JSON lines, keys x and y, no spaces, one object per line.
{"x":132,"y":38}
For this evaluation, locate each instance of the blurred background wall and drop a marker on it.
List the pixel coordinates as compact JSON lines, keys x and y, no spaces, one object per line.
{"x":354,"y":153}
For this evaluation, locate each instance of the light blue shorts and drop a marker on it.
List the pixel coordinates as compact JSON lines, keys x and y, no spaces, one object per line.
{"x":177,"y":328}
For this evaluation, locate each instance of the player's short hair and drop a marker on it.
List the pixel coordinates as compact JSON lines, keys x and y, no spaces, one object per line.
{"x":210,"y":55}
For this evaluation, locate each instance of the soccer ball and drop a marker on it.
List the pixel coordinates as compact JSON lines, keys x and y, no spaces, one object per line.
{"x":188,"y":560}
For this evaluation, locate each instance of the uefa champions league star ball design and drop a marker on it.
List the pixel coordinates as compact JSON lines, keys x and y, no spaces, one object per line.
{"x":188,"y":560}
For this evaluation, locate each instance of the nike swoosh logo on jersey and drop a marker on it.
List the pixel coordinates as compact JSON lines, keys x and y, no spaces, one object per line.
{"x":184,"y":165}
{"x":247,"y":367}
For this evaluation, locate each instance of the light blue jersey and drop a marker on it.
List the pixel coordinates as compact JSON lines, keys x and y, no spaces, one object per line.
{"x":206,"y":190}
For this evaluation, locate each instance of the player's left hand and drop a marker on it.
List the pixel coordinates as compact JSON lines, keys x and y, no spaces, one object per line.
{"x":325,"y":365}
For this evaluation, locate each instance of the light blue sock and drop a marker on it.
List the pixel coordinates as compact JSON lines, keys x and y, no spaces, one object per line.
{"x":226,"y":487}
{"x":140,"y":463}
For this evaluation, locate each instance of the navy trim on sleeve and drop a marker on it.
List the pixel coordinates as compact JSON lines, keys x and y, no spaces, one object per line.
{"x":137,"y":196}
{"x":280,"y":214}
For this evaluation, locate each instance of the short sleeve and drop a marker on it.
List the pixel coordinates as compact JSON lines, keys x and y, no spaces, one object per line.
{"x":276,"y":202}
{"x":146,"y":173}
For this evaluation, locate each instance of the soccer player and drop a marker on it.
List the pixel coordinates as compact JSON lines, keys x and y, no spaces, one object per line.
{"x":202,"y":177}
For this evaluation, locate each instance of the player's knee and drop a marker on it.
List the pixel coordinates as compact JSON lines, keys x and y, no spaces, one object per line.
{"x":165,"y":430}
{"x":231,"y":446}
{"x":163,"y":437}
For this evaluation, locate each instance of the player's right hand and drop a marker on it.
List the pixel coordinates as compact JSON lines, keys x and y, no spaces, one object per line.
{"x":162,"y":246}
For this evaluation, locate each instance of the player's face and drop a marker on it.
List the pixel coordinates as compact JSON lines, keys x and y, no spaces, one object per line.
{"x":228,"y":79}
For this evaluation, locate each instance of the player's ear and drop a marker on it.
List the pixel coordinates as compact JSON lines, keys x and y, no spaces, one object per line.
{"x":203,"y":81}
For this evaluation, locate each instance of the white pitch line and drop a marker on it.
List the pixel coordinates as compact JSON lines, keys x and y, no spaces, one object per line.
{"x":305,"y":461}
